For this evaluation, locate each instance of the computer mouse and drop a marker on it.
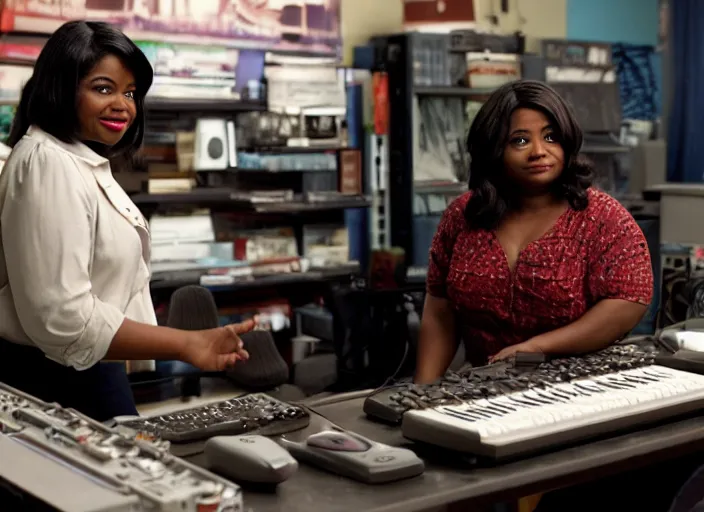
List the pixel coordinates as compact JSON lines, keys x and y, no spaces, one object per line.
{"x":249,"y":458}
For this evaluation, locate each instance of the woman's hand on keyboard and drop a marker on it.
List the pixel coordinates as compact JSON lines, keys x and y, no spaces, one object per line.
{"x":218,"y":349}
{"x":527,"y":346}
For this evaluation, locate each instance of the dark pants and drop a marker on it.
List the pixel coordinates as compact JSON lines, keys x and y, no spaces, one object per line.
{"x":651,"y":489}
{"x":100,"y":392}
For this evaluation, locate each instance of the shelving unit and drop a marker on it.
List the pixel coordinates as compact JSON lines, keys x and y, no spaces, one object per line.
{"x":416,"y":76}
{"x":410,"y":61}
{"x":233,"y":199}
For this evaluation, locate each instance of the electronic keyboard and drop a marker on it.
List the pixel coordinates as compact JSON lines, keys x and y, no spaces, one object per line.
{"x":555,"y":411}
{"x":189,"y":429}
{"x":525,"y":371}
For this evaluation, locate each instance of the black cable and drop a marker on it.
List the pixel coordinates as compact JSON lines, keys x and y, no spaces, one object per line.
{"x":695,"y":293}
{"x":672,"y":291}
{"x":385,"y":385}
{"x":406,"y":350}
{"x":173,"y":376}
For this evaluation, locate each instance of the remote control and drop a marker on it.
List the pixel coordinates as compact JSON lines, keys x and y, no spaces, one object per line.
{"x":254,"y":459}
{"x":351,"y":455}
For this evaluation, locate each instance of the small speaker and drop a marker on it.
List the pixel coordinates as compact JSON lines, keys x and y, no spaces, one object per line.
{"x":648,"y":165}
{"x":211,"y":145}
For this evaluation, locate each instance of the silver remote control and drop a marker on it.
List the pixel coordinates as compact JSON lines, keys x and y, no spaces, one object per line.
{"x":351,"y":455}
{"x":249,"y":458}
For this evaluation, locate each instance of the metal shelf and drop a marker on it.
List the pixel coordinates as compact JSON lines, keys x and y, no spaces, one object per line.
{"x":439,"y":187}
{"x":197,"y":105}
{"x":206,"y":197}
{"x":605,"y":149}
{"x":313,"y":206}
{"x":178,"y":278}
{"x":450,"y":92}
{"x":183,"y":105}
{"x":290,"y":150}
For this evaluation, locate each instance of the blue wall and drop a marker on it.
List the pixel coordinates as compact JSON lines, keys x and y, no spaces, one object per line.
{"x":611,"y":21}
{"x":618,"y":21}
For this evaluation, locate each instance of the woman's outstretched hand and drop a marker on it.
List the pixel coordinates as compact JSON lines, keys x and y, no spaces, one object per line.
{"x":215,"y":350}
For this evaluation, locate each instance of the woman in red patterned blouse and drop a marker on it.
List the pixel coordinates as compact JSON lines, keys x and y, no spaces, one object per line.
{"x":532,"y":258}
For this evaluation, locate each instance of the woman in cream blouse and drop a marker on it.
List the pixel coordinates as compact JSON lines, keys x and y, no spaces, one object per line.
{"x":74,"y":250}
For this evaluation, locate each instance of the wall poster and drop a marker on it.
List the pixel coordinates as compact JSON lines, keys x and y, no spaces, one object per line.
{"x":283,"y":25}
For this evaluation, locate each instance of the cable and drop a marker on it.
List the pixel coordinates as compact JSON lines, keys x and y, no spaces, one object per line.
{"x":694,"y":291}
{"x":173,"y":376}
{"x":393,"y":376}
{"x":385,"y":385}
{"x":408,"y":306}
{"x":672,"y":291}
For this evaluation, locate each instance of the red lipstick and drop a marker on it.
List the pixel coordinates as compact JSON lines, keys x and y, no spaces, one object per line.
{"x":113,"y":124}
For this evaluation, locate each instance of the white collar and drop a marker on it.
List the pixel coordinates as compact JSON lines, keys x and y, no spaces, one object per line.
{"x":77,"y":149}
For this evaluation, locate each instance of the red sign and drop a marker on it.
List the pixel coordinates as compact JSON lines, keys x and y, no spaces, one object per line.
{"x":426,"y":12}
{"x":19,"y":52}
{"x":380,"y":84}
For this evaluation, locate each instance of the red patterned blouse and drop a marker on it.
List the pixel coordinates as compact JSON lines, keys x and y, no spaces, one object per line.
{"x":589,"y":255}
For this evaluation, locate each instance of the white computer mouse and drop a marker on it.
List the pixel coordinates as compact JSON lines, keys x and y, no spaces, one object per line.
{"x":249,"y":458}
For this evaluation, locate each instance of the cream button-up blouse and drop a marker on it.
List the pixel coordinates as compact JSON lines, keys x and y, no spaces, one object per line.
{"x":74,"y":252}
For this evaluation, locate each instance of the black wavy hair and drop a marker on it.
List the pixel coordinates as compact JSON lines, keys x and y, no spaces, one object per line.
{"x":49,"y":98}
{"x":491,"y":193}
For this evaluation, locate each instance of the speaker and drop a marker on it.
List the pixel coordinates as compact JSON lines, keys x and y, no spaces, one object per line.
{"x":211,"y":145}
{"x":648,"y":165}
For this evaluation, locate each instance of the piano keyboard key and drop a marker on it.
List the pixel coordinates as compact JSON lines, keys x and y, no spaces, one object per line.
{"x":530,"y":420}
